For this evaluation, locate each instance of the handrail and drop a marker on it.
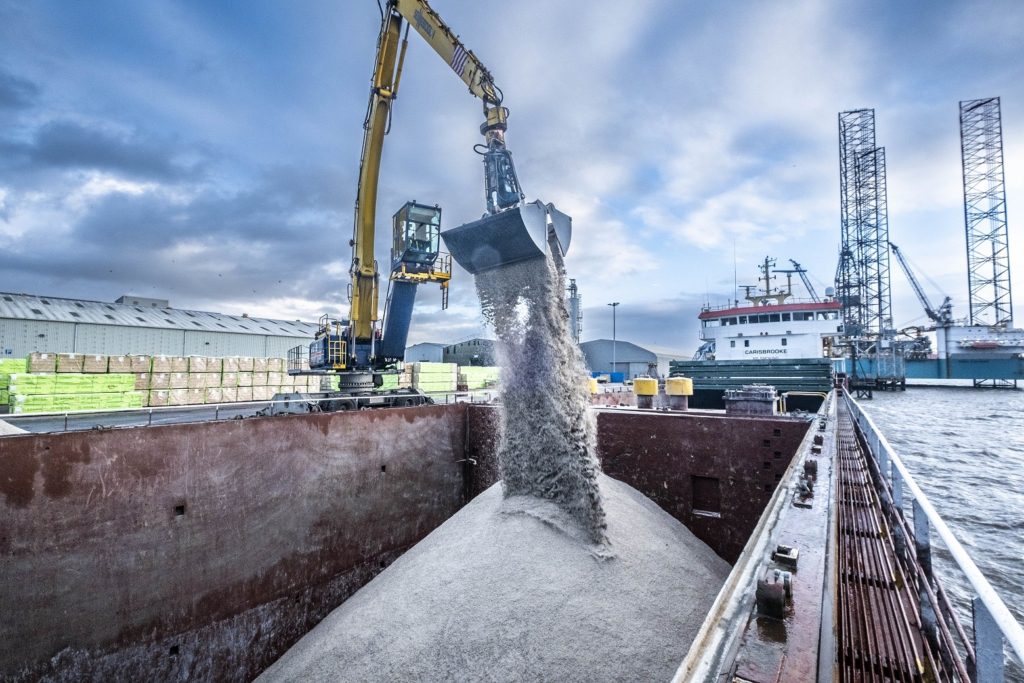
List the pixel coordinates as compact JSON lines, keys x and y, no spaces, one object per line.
{"x":1011,"y":630}
{"x":218,"y":408}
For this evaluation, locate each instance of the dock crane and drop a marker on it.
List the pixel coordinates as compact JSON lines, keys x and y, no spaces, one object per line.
{"x":358,"y":351}
{"x":941,"y":316}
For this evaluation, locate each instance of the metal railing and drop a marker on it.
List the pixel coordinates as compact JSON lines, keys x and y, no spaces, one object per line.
{"x":84,"y":420}
{"x":993,"y":624}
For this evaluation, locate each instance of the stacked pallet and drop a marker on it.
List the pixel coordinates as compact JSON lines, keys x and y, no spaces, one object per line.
{"x":478,"y":377}
{"x":34,"y":393}
{"x":222,"y":380}
{"x":66,"y":382}
{"x":435,"y":377}
{"x":8,"y":367}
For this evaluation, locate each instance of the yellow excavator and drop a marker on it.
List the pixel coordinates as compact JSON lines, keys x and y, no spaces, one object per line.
{"x":359,"y":350}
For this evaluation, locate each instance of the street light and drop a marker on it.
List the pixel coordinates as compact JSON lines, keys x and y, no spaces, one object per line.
{"x":614,"y":306}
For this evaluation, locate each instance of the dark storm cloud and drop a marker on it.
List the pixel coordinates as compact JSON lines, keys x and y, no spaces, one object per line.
{"x":15,"y":92}
{"x":286,"y":207}
{"x":65,"y":144}
{"x":275,"y":237}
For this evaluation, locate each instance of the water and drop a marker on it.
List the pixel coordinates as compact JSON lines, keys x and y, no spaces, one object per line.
{"x":547,"y":437}
{"x":965,"y":449}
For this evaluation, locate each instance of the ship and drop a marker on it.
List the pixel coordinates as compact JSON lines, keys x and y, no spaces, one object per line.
{"x":771,"y":337}
{"x":204,"y":550}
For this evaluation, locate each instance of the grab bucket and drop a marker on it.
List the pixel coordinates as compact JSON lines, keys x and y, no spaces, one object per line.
{"x":515,"y":235}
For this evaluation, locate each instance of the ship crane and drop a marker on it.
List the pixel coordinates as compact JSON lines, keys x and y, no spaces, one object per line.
{"x":802,"y":272}
{"x":943,"y":315}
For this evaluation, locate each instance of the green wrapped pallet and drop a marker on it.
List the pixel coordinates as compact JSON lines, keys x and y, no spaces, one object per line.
{"x":31,"y":403}
{"x":134,"y":399}
{"x":114,"y":383}
{"x":27,"y":384}
{"x":74,"y":383}
{"x":10,"y":366}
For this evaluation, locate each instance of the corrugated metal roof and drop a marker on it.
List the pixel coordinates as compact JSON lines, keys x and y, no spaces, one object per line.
{"x":56,"y":309}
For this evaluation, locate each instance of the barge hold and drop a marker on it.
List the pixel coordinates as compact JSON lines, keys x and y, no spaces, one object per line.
{"x":203,"y":551}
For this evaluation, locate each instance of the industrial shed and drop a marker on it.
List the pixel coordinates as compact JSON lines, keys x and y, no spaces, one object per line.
{"x":471,"y":352}
{"x":427,"y":352}
{"x":630,"y":359}
{"x":137,"y":325}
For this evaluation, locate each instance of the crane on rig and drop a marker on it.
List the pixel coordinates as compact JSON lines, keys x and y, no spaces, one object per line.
{"x":941,"y":316}
{"x":359,"y":350}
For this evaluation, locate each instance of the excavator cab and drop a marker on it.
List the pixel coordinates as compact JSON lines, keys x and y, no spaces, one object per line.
{"x":416,"y":238}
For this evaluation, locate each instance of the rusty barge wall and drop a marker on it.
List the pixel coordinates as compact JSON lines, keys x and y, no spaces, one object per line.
{"x":203,"y":551}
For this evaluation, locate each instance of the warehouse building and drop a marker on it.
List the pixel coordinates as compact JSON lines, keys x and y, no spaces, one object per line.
{"x":138,"y":325}
{"x":630,"y":359}
{"x":476,"y":352}
{"x":425,"y":352}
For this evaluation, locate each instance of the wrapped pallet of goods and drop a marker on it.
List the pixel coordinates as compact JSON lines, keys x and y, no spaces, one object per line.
{"x":161,"y":364}
{"x":41,"y":362}
{"x":177,"y":397}
{"x":30,"y":403}
{"x":178,"y":363}
{"x":8,"y":367}
{"x":213,"y":395}
{"x":158,"y":398}
{"x":434,"y":377}
{"x":160,"y":380}
{"x":229,"y":380}
{"x":70,"y":362}
{"x":259,"y":379}
{"x":69,"y":392}
{"x":119,"y":364}
{"x":245,"y":364}
{"x":260,"y":365}
{"x":229,"y":394}
{"x":245,"y":393}
{"x":94,"y":364}
{"x":141,"y":363}
{"x":229,"y":364}
{"x":244,"y":378}
{"x":141,"y":381}
{"x":195,"y":397}
{"x":211,"y":380}
{"x":478,"y":377}
{"x":28,"y":384}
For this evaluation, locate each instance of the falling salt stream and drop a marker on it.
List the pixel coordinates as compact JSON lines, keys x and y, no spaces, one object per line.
{"x":556,"y":573}
{"x":547,"y":435}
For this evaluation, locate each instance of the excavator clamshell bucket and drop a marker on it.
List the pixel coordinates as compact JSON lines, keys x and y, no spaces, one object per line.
{"x":501,"y":239}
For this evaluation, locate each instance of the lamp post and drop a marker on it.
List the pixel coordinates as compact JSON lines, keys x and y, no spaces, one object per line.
{"x":614,"y":306}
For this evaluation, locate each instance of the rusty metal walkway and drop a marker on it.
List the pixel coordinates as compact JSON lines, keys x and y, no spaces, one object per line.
{"x":886,"y":617}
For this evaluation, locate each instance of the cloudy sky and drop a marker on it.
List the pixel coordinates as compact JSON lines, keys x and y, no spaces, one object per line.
{"x":206,"y":152}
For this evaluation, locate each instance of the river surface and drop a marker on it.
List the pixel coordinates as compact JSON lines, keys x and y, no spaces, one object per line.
{"x":965,"y":448}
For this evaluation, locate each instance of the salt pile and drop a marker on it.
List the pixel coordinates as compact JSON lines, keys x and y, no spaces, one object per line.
{"x":7,"y":428}
{"x":503,"y":591}
{"x":556,"y":573}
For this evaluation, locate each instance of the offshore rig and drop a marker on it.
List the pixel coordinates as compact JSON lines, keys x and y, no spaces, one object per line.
{"x":984,"y":347}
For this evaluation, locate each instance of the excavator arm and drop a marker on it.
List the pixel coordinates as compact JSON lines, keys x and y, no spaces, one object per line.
{"x":501,"y":184}
{"x":510,"y":231}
